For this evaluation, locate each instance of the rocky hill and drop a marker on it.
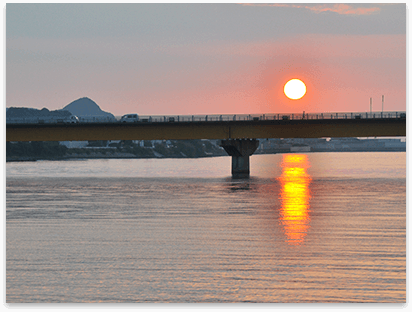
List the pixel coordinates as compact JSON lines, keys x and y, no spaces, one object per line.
{"x":87,"y":109}
{"x":25,"y":112}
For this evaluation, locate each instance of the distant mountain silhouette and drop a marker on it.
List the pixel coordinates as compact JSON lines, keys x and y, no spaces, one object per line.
{"x":87,"y":109}
{"x":25,"y":112}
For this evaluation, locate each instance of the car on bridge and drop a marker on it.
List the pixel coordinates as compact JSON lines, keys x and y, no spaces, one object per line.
{"x":130,"y":118}
{"x":65,"y":120}
{"x":71,"y":119}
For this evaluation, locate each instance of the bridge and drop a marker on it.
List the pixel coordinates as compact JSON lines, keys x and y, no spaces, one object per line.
{"x":239,"y":133}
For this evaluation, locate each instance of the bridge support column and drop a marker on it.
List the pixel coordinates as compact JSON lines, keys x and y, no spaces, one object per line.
{"x":240,"y":150}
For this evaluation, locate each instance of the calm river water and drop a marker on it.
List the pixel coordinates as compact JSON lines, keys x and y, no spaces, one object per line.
{"x":318,"y":227}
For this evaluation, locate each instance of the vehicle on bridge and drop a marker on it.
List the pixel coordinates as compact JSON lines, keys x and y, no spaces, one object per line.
{"x":72,"y":119}
{"x":66,"y":119}
{"x":130,"y":118}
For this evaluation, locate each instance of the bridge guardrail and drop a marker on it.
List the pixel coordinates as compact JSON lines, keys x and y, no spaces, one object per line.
{"x":257,"y":117}
{"x":236,"y":117}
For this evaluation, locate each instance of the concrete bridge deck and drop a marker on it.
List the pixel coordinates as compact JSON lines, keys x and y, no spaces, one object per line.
{"x":239,"y":129}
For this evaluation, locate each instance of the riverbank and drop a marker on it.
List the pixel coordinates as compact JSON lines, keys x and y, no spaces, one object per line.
{"x":120,"y":155}
{"x":97,"y":156}
{"x":32,"y":151}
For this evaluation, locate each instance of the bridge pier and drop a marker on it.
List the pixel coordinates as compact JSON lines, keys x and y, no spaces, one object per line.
{"x":240,"y":150}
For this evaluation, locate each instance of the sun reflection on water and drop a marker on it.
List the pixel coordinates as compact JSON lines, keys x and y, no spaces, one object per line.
{"x":295,"y":196}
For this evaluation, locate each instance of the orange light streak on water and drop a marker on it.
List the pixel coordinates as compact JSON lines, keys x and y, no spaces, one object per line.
{"x":295,"y":196}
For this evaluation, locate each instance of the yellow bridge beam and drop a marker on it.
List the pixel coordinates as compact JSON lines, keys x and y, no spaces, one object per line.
{"x":208,"y":130}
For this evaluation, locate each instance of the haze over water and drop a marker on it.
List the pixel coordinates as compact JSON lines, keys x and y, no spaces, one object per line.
{"x":318,"y":227}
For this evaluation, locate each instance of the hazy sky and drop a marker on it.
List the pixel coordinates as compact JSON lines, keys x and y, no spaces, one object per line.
{"x":206,"y":58}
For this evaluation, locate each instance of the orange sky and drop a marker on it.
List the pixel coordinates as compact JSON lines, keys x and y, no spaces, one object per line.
{"x":339,"y":77}
{"x":207,"y":59}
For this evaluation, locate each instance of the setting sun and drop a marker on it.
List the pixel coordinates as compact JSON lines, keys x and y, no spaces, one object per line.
{"x":294,"y":89}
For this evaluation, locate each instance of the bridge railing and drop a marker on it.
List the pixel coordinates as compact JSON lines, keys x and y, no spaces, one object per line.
{"x":258,"y":117}
{"x":237,"y":117}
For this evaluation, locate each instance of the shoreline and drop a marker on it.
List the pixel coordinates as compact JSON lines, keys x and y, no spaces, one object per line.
{"x":132,"y":156}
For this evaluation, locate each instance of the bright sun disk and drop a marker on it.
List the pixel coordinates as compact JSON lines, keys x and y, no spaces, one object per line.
{"x":294,"y":89}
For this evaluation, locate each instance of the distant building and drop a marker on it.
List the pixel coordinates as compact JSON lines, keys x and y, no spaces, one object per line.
{"x":300,"y":148}
{"x":74,"y":144}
